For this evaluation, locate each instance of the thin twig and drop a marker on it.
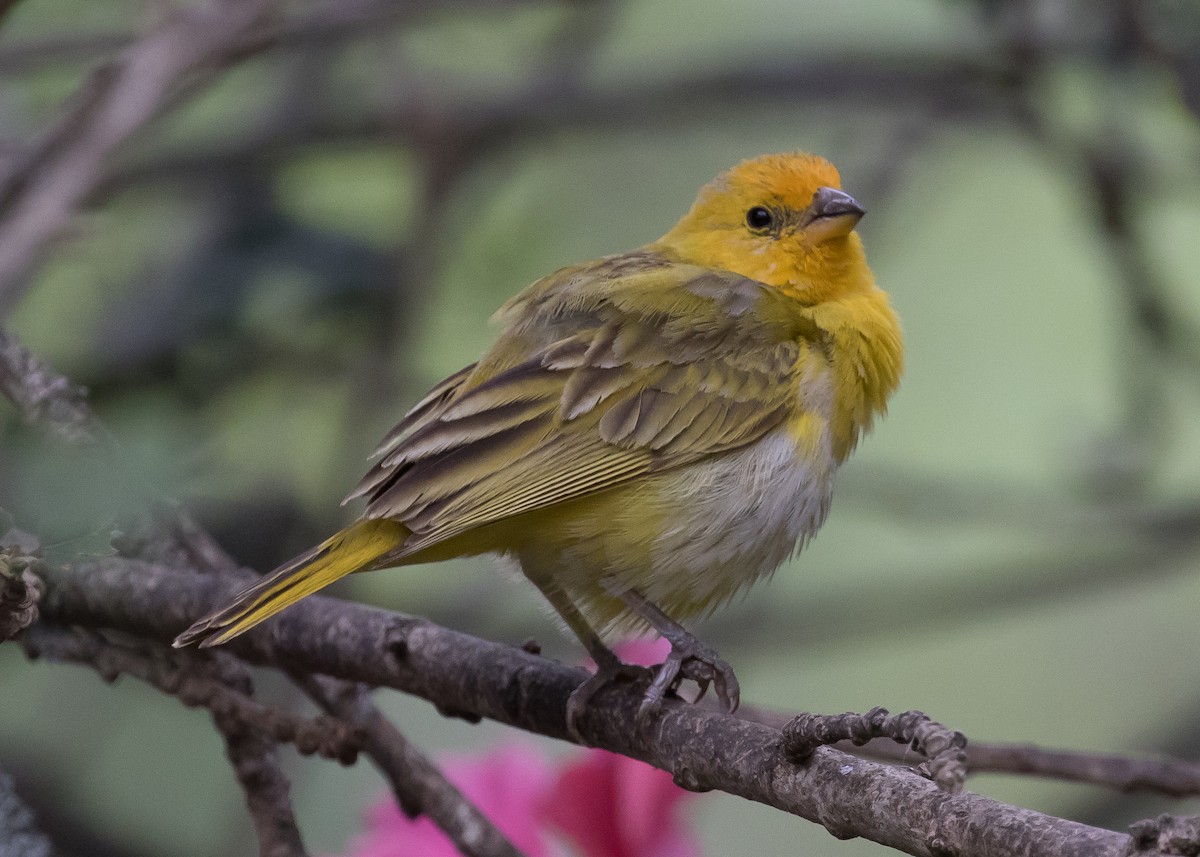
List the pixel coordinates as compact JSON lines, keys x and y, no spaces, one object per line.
{"x":217,"y":684}
{"x":942,"y":747}
{"x":268,"y":793}
{"x":419,"y":786}
{"x":250,"y":747}
{"x":1173,"y":777}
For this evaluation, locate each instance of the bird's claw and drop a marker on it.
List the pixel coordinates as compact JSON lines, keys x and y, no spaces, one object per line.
{"x":705,"y":667}
{"x":691,"y":659}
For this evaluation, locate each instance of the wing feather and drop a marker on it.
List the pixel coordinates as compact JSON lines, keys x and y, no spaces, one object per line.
{"x":428,"y":408}
{"x":606,"y":373}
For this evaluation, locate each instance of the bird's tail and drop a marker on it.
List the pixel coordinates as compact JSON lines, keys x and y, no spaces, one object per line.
{"x":350,"y":550}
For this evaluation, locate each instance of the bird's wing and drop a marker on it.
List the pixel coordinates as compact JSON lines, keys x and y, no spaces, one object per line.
{"x":607,"y":372}
{"x":428,"y":410}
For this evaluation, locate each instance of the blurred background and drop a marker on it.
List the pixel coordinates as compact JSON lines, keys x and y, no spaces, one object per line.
{"x":316,"y":227}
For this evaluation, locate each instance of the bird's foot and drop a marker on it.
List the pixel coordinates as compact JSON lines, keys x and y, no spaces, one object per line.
{"x":609,"y":669}
{"x":690,"y":659}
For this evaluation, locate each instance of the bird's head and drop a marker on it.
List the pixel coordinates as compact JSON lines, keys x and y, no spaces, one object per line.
{"x":779,"y":219}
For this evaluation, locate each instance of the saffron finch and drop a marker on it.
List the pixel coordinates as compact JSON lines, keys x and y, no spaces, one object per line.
{"x":651,"y":433}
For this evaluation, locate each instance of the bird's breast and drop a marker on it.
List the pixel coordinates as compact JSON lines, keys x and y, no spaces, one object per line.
{"x":689,"y":539}
{"x":733,"y":519}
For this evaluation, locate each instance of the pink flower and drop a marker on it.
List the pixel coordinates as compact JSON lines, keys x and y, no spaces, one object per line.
{"x":614,"y":806}
{"x":648,"y":653}
{"x":508,"y":784}
{"x":604,"y":804}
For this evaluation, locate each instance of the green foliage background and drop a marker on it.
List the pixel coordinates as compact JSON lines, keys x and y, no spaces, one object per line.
{"x":1005,"y":553}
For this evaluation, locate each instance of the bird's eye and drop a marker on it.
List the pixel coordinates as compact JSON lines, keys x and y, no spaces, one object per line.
{"x":760,"y":218}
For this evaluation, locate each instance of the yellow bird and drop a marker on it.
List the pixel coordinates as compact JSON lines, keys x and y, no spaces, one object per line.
{"x":651,"y":433}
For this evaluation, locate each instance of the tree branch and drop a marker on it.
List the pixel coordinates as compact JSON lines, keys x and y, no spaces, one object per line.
{"x":336,"y":21}
{"x":703,"y":749}
{"x":251,"y":751}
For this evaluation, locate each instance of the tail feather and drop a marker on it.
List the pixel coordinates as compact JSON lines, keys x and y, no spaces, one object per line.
{"x":350,"y":550}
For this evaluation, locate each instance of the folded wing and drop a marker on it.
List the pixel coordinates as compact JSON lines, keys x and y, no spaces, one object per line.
{"x":605,"y":373}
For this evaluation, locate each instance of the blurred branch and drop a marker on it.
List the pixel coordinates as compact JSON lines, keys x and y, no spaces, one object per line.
{"x":464,"y":129}
{"x":1166,"y":34}
{"x":6,"y":6}
{"x":1124,"y":39}
{"x":1171,"y":777}
{"x":41,"y":191}
{"x":336,"y":21}
{"x":33,"y":54}
{"x":19,"y":834}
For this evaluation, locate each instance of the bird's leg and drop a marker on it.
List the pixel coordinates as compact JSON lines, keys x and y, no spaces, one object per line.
{"x":609,"y":667}
{"x":689,"y":657}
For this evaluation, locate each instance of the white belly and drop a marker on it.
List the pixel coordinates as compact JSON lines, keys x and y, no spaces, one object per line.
{"x":688,"y":540}
{"x":745,"y":514}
